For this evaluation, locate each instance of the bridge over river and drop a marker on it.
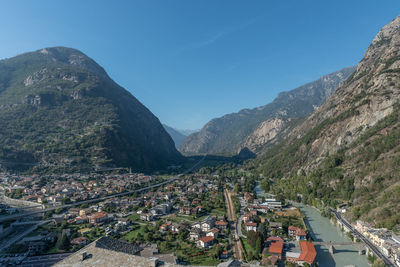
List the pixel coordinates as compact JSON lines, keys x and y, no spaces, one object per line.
{"x":332,"y":244}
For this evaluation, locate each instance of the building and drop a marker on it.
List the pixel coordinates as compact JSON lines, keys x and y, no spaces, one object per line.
{"x":206,"y":242}
{"x":251,"y":226}
{"x":307,"y":254}
{"x":80,"y":241}
{"x":114,"y":253}
{"x":213,"y":232}
{"x":195,"y":234}
{"x":221,"y":225}
{"x":146,"y":217}
{"x":98,"y":217}
{"x":276,"y":249}
{"x":207,"y":224}
{"x":297,"y":232}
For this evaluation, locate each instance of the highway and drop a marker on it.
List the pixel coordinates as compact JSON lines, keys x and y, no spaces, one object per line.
{"x":366,"y":241}
{"x":25,"y":214}
{"x":18,"y":236}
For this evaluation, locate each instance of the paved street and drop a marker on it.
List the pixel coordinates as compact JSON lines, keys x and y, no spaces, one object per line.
{"x":366,"y":241}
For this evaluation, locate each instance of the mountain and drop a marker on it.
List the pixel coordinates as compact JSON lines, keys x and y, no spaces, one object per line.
{"x":348,"y":151}
{"x":188,"y":132}
{"x":176,"y":135}
{"x":59,"y":110}
{"x":255,"y":128}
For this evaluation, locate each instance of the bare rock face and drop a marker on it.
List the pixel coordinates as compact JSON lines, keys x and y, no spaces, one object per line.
{"x":265,"y":133}
{"x":232,"y":132}
{"x":368,"y":96}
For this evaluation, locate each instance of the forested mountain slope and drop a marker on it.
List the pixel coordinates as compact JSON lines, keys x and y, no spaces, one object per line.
{"x":348,"y":150}
{"x":59,"y":110}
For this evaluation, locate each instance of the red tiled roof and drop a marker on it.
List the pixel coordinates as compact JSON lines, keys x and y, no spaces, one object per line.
{"x":207,"y":239}
{"x":251,"y":224}
{"x":301,"y":232}
{"x":308,"y":252}
{"x":276,"y":248}
{"x":221,"y":223}
{"x":298,"y":230}
{"x":98,"y":215}
{"x":78,"y":240}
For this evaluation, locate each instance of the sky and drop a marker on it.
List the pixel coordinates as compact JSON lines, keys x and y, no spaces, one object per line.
{"x":190,"y":61}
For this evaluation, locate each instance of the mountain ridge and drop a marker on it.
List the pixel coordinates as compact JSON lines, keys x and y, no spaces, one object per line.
{"x":348,"y":151}
{"x":61,"y":110}
{"x":228,"y":134}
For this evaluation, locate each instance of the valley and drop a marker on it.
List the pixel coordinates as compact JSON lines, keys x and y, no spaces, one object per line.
{"x":91,"y":176}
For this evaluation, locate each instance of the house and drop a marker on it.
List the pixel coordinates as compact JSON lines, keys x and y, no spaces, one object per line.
{"x":206,"y":242}
{"x":80,"y":241}
{"x":195,"y":234}
{"x":251,"y":226}
{"x":221,"y":225}
{"x":275,"y":225}
{"x":213,"y":232}
{"x":297,"y":232}
{"x":185,"y":210}
{"x":98,"y":217}
{"x":165,"y":227}
{"x":123,"y":221}
{"x":146,"y":217}
{"x":273,"y":239}
{"x":80,"y":219}
{"x":307,"y":254}
{"x":276,"y":248}
{"x":207,"y":224}
{"x":224,"y":255}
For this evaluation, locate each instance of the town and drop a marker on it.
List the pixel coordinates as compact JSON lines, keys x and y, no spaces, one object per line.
{"x":209,"y":219}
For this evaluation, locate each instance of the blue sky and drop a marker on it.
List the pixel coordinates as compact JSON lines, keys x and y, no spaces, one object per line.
{"x":190,"y":61}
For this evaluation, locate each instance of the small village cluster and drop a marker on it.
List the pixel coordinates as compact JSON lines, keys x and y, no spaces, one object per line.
{"x":386,"y":240}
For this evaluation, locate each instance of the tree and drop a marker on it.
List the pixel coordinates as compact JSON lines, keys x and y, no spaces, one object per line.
{"x":63,"y":242}
{"x":263,"y":230}
{"x":238,"y":188}
{"x":259,"y":245}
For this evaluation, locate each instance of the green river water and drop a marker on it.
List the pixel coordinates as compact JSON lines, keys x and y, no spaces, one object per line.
{"x":323,"y":230}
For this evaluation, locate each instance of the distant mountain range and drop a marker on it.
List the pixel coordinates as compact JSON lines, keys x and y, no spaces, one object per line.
{"x":348,"y":151}
{"x":259,"y":127}
{"x":175,"y":134}
{"x":60,"y":111}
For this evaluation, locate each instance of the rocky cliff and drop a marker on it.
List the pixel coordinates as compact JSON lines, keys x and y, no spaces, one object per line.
{"x":347,"y":151}
{"x":232,"y":132}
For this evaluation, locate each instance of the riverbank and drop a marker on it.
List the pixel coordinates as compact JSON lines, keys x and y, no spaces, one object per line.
{"x":323,"y":230}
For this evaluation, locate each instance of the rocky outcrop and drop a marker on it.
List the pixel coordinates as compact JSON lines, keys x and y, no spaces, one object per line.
{"x":228,"y":134}
{"x":265,"y":133}
{"x":61,"y":110}
{"x":367,"y":97}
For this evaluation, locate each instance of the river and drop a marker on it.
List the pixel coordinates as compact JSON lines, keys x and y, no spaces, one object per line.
{"x":323,"y":230}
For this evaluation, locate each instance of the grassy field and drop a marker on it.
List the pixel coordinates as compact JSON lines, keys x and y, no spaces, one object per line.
{"x":133,"y":234}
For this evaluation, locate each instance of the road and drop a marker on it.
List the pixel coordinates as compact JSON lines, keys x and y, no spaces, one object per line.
{"x":15,"y":238}
{"x":44,"y":260}
{"x":237,"y":245}
{"x":25,"y":214}
{"x":240,"y":220}
{"x":366,"y":241}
